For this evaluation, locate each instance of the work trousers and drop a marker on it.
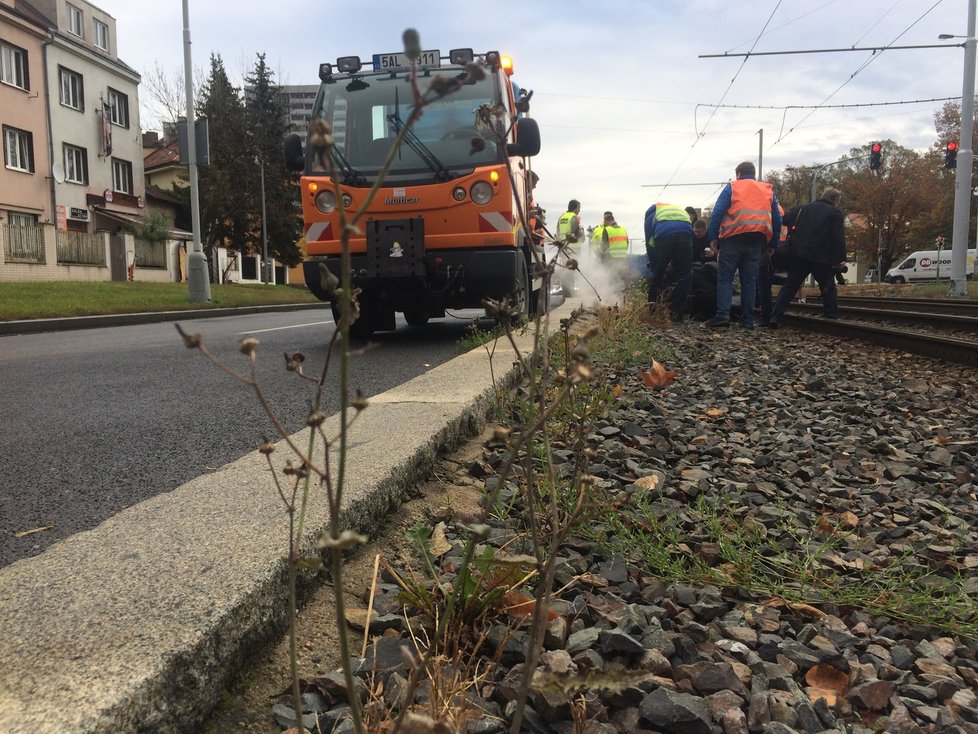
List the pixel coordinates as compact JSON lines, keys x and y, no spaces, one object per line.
{"x":671,"y":259}
{"x":800,"y":268}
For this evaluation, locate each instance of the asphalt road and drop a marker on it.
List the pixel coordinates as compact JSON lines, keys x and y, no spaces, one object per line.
{"x":95,"y":421}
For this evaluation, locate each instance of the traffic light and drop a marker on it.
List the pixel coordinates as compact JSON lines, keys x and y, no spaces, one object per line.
{"x":951,"y":155}
{"x":876,"y":157}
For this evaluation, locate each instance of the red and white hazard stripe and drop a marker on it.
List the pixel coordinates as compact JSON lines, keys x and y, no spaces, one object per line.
{"x":319,"y":231}
{"x":495,"y":222}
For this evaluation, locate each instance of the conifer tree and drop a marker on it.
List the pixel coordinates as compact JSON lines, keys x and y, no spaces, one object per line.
{"x":267,"y":123}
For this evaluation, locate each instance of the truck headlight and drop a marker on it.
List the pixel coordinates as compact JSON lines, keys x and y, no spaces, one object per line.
{"x":326,"y":201}
{"x":481,"y":193}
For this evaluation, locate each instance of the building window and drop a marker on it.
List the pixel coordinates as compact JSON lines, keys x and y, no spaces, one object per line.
{"x":22,"y":220}
{"x":118,"y":108}
{"x":18,"y":149}
{"x":100,"y":34}
{"x":13,"y":66}
{"x":75,"y":20}
{"x":76,"y":164}
{"x":72,"y":89}
{"x":121,"y":176}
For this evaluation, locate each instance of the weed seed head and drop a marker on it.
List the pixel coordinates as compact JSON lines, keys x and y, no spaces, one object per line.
{"x":315,"y":418}
{"x":412,"y":44}
{"x":474,"y":72}
{"x":294,"y":361}
{"x":265,"y":447}
{"x":248,"y":347}
{"x":192,"y":340}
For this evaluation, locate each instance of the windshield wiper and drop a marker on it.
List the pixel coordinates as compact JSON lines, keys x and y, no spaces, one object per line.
{"x":351,"y":176}
{"x":424,"y":153}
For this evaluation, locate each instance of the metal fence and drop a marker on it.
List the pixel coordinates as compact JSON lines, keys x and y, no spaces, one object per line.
{"x":22,"y":244}
{"x":150,"y":254}
{"x":81,"y":248}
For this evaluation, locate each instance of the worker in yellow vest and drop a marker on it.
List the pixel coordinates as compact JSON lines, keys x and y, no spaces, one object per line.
{"x":609,"y":240}
{"x":569,"y":235}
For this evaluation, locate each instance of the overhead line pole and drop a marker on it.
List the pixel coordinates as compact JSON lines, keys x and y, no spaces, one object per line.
{"x":962,"y":179}
{"x":198,"y":278}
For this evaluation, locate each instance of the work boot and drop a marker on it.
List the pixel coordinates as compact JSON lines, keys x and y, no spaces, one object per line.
{"x":717,"y":322}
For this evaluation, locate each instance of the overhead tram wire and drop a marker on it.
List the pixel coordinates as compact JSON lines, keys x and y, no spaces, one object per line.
{"x":782,"y":134}
{"x":821,"y":106}
{"x":787,"y":23}
{"x":696,"y":140}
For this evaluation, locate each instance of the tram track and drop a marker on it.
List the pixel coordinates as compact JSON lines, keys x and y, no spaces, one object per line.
{"x":917,"y":326}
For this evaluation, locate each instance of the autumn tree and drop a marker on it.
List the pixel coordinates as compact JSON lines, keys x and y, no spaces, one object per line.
{"x":267,"y":122}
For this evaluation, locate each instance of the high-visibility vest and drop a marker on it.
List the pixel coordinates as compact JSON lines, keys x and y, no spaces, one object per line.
{"x":617,"y":241}
{"x":750,"y":209}
{"x":564,"y":224}
{"x":596,"y":238}
{"x":668,"y":213}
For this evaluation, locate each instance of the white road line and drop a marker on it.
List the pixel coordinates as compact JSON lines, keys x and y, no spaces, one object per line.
{"x":281,"y":328}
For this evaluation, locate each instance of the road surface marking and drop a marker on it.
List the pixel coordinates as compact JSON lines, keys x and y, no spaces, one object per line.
{"x":280,"y":328}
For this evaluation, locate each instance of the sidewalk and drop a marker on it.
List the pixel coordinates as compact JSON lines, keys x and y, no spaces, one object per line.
{"x":140,"y":624}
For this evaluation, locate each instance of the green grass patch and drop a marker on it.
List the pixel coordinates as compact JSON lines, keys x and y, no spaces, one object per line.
{"x":935,"y":290}
{"x":795,"y":564}
{"x":54,"y":299}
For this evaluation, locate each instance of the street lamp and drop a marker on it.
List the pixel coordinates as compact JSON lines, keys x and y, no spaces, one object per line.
{"x":264,"y":228}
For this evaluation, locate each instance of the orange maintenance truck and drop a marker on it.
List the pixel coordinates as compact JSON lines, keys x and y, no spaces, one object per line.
{"x":444,"y":229}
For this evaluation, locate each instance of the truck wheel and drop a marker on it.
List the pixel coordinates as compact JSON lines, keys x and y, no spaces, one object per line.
{"x":540,"y":302}
{"x":362,"y":328}
{"x":521,"y":298}
{"x":899,"y":280}
{"x":416,"y":317}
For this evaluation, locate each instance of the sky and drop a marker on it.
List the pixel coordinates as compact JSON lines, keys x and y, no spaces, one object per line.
{"x":627,"y":107}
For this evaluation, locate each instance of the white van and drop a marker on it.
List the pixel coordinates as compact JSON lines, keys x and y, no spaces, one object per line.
{"x":924,"y":265}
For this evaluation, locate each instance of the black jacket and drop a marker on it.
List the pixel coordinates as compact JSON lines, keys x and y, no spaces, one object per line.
{"x":817,"y":232}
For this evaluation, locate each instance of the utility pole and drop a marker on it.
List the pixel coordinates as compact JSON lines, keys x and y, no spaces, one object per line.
{"x":197,"y":275}
{"x":264,"y":231}
{"x":760,"y":154}
{"x":962,"y":179}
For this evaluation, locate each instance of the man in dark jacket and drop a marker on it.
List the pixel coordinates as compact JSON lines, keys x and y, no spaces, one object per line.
{"x":818,"y":248}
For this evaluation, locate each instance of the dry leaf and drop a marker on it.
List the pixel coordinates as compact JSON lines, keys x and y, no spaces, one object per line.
{"x":814,"y":694}
{"x":517,"y":604}
{"x":827,"y":678}
{"x":649,"y":482}
{"x":439,"y":544}
{"x":658,"y":376}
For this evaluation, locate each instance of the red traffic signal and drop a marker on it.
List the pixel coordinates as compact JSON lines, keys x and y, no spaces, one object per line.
{"x":876,"y":157}
{"x":951,"y":155}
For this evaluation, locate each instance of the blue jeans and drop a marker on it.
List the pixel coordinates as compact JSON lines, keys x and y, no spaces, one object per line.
{"x":764,"y":300}
{"x":743,"y":257}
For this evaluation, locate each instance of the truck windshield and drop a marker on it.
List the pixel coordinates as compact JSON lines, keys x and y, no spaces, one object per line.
{"x":366,"y":114}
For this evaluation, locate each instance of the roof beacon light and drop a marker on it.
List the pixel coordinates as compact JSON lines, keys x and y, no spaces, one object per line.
{"x":348,"y":64}
{"x":460,"y":56}
{"x":506,"y":63}
{"x":325,"y":72}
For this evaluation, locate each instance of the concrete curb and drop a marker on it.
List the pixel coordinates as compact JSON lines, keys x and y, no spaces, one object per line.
{"x":140,"y":624}
{"x":36,"y":326}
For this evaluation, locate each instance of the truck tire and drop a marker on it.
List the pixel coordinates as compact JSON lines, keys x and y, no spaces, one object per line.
{"x":362,"y":328}
{"x":416,"y":317}
{"x":899,"y":280}
{"x":540,"y":302}
{"x":521,"y":298}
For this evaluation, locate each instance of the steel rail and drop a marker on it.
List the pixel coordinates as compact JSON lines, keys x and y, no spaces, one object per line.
{"x":930,"y":318}
{"x":958,"y":351}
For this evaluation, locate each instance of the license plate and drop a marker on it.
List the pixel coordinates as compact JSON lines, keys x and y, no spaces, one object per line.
{"x":400,"y":62}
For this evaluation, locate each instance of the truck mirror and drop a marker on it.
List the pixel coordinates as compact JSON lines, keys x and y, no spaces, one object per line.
{"x":527,"y":138}
{"x":294,"y":158}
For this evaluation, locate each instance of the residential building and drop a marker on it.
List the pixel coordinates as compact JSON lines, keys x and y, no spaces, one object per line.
{"x":94,"y":105}
{"x":298,"y":101}
{"x":25,"y":184}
